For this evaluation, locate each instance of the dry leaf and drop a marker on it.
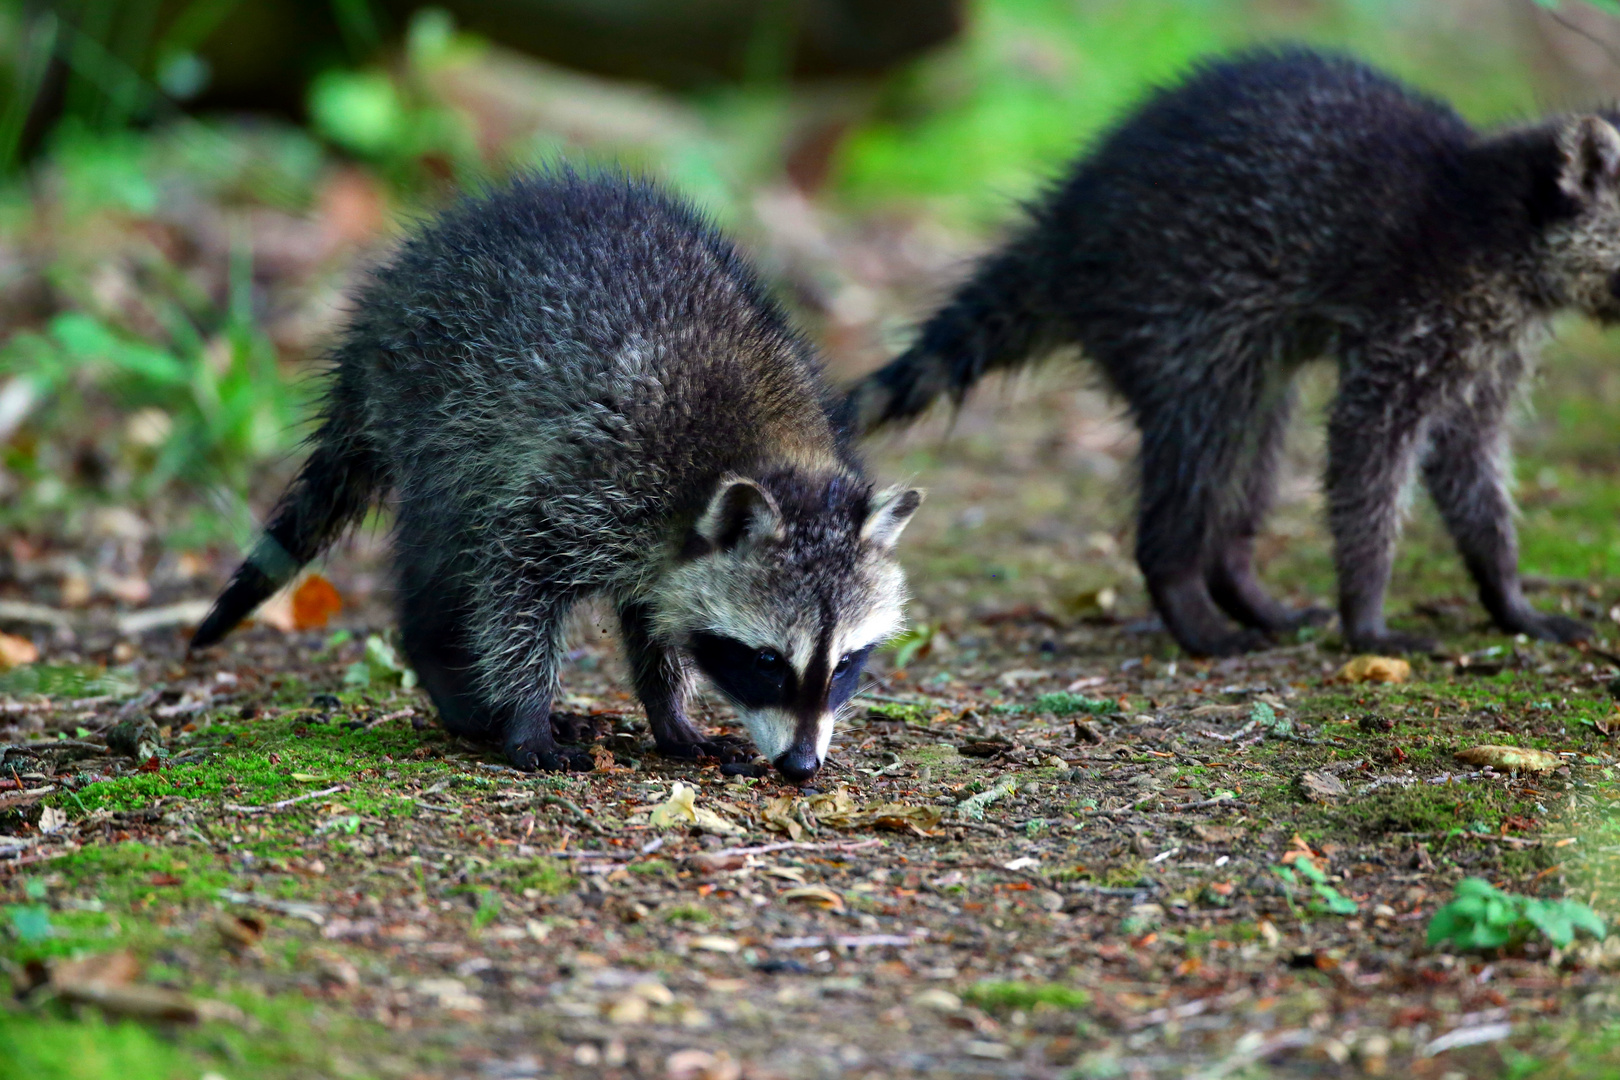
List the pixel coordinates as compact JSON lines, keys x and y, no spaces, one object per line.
{"x":1380,"y":669}
{"x":107,"y":980}
{"x":819,"y":895}
{"x":701,"y":1065}
{"x":1321,"y":787}
{"x":16,"y":651}
{"x":314,"y":602}
{"x":1510,"y":758}
{"x":779,"y":816}
{"x":681,"y":809}
{"x":899,"y":817}
{"x":51,"y":819}
{"x":239,"y":933}
{"x":715,"y":943}
{"x":103,"y":969}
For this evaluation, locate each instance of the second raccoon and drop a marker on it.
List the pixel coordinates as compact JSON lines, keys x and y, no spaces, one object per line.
{"x":1273,"y":208}
{"x":575,"y":387}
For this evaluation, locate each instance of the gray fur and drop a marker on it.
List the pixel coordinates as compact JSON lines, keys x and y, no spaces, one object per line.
{"x":1274,"y":208}
{"x":574,"y":387}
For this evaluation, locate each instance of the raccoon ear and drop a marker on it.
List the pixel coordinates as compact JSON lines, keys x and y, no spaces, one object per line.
{"x":891,"y":510}
{"x":1591,"y":149}
{"x":740,"y":510}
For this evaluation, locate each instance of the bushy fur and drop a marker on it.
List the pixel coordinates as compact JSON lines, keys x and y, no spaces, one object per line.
{"x":1271,"y":209}
{"x":575,"y":387}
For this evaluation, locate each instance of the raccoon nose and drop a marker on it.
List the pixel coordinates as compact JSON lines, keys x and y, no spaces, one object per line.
{"x":798,"y":764}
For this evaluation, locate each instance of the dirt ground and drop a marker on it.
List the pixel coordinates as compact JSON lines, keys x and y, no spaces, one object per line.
{"x":1046,"y":845}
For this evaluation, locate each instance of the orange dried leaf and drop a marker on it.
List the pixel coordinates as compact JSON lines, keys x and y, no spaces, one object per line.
{"x":16,"y":651}
{"x":1379,"y":669}
{"x":314,"y":603}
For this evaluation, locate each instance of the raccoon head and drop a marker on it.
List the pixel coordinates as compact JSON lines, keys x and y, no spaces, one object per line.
{"x":1583,"y":264}
{"x":786,"y":584}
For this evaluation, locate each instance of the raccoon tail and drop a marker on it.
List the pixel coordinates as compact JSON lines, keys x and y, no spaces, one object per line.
{"x":991,"y":324}
{"x":334,"y":488}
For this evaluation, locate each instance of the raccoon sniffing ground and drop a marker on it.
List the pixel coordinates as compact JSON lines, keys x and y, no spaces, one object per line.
{"x":1275,"y":208}
{"x":575,"y":387}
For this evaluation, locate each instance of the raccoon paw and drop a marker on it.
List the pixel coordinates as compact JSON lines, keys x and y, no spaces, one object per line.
{"x":1391,"y":642}
{"x":722,"y":748}
{"x":555,"y":759}
{"x":1312,"y":615}
{"x":1234,"y":644}
{"x":1552,"y":628}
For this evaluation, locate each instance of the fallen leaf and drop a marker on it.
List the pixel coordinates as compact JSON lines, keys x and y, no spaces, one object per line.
{"x":629,"y":1009}
{"x":701,"y":1065}
{"x":819,"y":895}
{"x":239,"y":933}
{"x":985,"y":748}
{"x":778,"y":816}
{"x":681,"y":809}
{"x":706,"y":862}
{"x":314,"y":601}
{"x":1510,"y":758}
{"x":51,"y":819}
{"x":1088,"y":603}
{"x":107,"y":980}
{"x":1379,"y":669}
{"x":715,"y":943}
{"x":16,"y":651}
{"x":937,"y":1000}
{"x":1321,"y":787}
{"x":106,"y":969}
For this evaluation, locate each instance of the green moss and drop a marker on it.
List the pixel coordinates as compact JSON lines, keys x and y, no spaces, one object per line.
{"x":996,"y":995}
{"x":687,"y":913}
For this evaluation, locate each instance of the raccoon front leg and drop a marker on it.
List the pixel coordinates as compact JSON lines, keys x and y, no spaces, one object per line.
{"x":1466,"y":471}
{"x":1372,"y":447}
{"x":662,"y":683}
{"x":518,"y":641}
{"x":1232,"y":581}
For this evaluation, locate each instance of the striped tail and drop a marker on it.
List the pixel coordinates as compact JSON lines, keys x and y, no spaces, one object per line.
{"x":991,"y":324}
{"x":332,"y":491}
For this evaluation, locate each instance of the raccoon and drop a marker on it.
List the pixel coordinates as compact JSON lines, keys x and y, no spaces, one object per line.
{"x":573,"y":386}
{"x":1273,"y":208}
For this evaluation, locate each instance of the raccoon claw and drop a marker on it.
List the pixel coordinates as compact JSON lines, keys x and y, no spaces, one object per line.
{"x":555,"y":760}
{"x":1390,"y":642}
{"x":1234,"y":644}
{"x":1309,"y":616}
{"x":722,"y":748}
{"x":1552,"y":628}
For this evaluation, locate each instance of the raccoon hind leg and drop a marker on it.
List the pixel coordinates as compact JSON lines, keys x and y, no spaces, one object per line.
{"x":436,"y":635}
{"x":1179,"y":498}
{"x":662,"y":683}
{"x":1231,"y":578}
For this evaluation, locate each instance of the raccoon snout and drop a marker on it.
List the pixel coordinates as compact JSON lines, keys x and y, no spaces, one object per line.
{"x":798,"y":763}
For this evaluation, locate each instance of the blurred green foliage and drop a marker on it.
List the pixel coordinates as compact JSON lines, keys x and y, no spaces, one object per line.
{"x":203,"y":397}
{"x":977,"y":127}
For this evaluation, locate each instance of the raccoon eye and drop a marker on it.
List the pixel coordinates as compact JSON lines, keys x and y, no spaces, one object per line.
{"x":844,"y":663}
{"x":769,"y":662}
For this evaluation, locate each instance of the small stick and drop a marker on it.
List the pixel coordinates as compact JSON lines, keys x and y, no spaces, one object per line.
{"x":799,"y":845}
{"x":572,"y":807}
{"x":284,"y":803}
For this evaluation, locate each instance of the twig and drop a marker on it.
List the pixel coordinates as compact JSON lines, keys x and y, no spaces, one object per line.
{"x":799,"y":845}
{"x":1123,"y":810}
{"x":284,"y":803}
{"x":973,"y":806}
{"x":307,"y":912}
{"x":572,"y":807}
{"x":1203,"y":804}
